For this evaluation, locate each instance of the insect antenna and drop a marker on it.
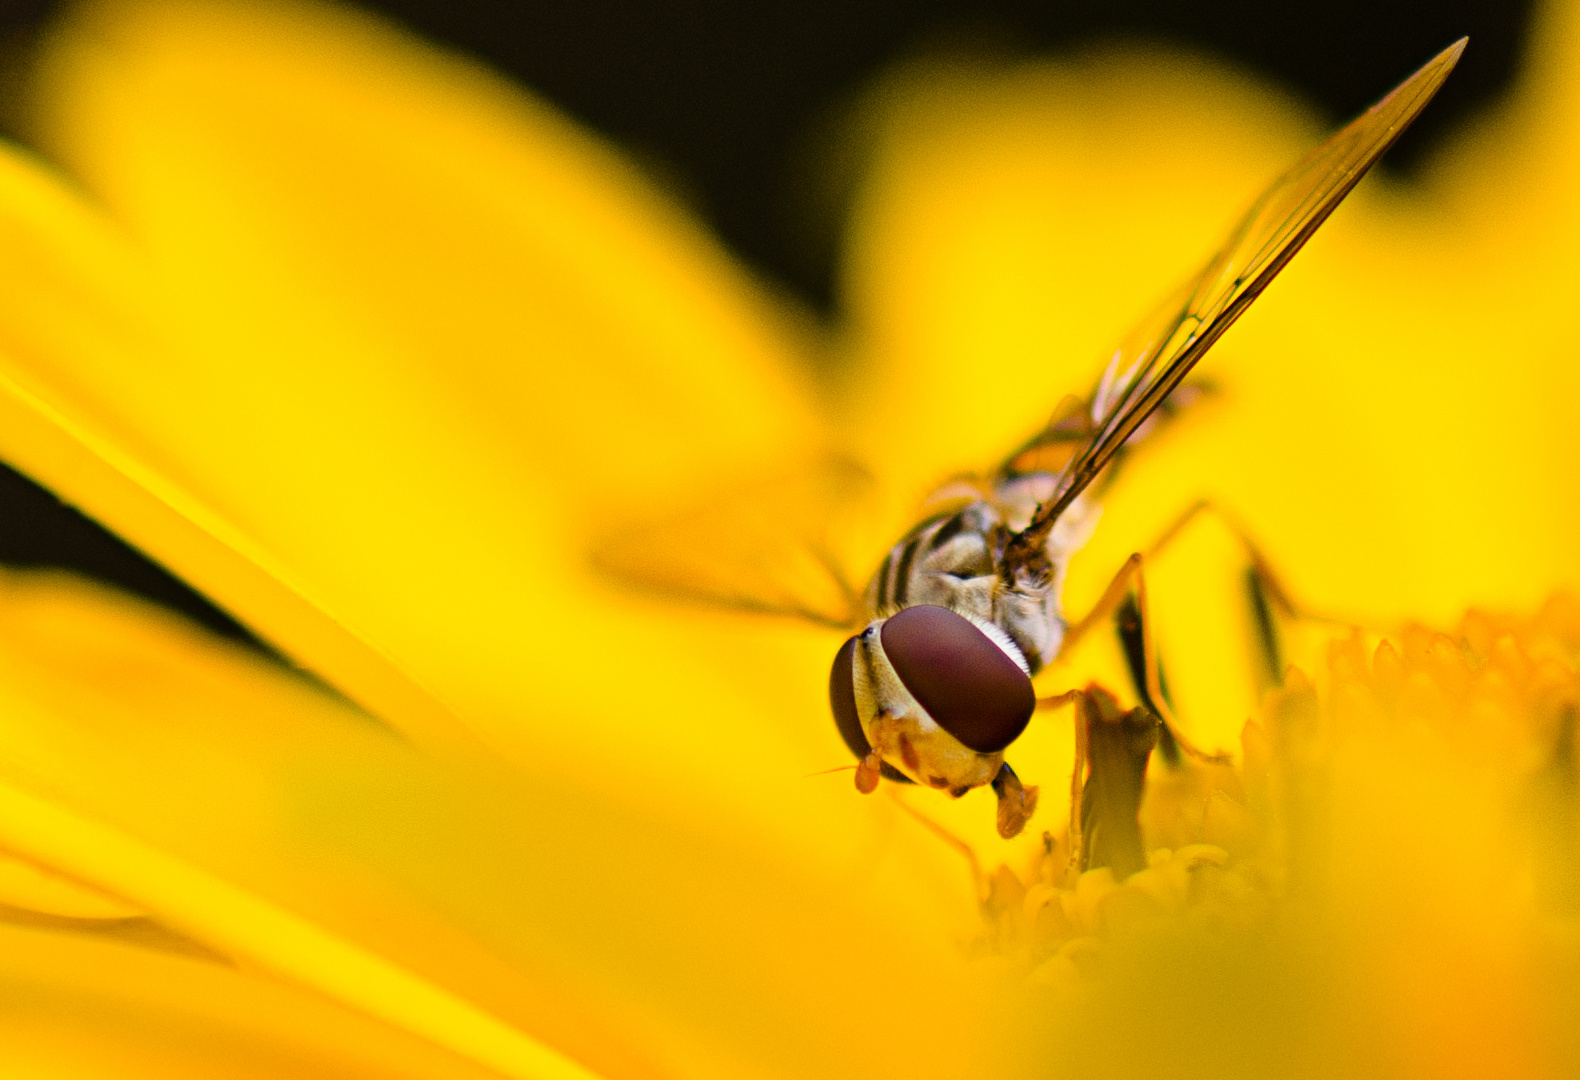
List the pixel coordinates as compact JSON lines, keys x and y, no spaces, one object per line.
{"x":827,"y":772}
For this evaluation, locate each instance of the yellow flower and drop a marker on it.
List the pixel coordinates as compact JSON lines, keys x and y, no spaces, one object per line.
{"x":1389,"y":882}
{"x":369,"y":346}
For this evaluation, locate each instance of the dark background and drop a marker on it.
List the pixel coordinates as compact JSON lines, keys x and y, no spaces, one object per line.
{"x":719,"y":98}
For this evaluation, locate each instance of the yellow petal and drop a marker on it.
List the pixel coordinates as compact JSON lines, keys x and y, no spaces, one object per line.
{"x":335,"y":211}
{"x":477,"y":908}
{"x":78,"y":289}
{"x":278,"y":942}
{"x":303,"y":412}
{"x":393,"y":341}
{"x":29,"y":887}
{"x":79,"y":1004}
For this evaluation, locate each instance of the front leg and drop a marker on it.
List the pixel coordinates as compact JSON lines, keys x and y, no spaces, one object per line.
{"x":1016,"y":802}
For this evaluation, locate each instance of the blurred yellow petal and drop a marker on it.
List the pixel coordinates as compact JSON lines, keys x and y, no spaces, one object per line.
{"x":274,"y":940}
{"x":417,"y":478}
{"x":123,"y":727}
{"x":1397,"y":895}
{"x":391,"y":321}
{"x":479,"y":908}
{"x":87,"y":1005}
{"x":368,"y":345}
{"x":28,"y":887}
{"x":77,"y":288}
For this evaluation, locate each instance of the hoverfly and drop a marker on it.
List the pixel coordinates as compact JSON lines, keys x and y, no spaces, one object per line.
{"x":936,"y":682}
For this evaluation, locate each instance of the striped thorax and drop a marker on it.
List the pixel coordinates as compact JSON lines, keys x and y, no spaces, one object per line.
{"x":954,"y":559}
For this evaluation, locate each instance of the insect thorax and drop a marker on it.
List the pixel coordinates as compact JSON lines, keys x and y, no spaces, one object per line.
{"x":952,"y":560}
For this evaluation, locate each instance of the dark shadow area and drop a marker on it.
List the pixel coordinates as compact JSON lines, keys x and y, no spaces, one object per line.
{"x":721,"y":93}
{"x":38,"y":530}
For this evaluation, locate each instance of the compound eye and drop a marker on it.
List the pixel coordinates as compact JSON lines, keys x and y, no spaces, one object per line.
{"x":964,"y":681}
{"x":842,"y":699}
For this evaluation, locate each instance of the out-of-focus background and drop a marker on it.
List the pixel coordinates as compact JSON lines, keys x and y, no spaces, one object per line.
{"x":731,"y":105}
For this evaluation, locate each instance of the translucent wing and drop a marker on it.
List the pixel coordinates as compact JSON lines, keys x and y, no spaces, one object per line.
{"x":1162,"y":350}
{"x":1053,"y":448}
{"x":771,"y":546}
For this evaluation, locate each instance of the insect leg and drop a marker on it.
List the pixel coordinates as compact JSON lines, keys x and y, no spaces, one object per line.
{"x":1129,"y":584}
{"x":1016,"y":802}
{"x":1268,"y":583}
{"x":1106,"y":604}
{"x":1269,"y":599}
{"x":1269,"y":648}
{"x":836,"y":573}
{"x":1133,"y":643}
{"x":966,"y":851}
{"x":1149,"y":685}
{"x":867,"y":773}
{"x":1058,"y":700}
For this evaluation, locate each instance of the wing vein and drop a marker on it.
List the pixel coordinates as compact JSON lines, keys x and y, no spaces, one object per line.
{"x":1260,"y":245}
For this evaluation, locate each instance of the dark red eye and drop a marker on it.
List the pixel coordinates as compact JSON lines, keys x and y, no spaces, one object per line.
{"x":842,"y":699}
{"x":963,"y":680}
